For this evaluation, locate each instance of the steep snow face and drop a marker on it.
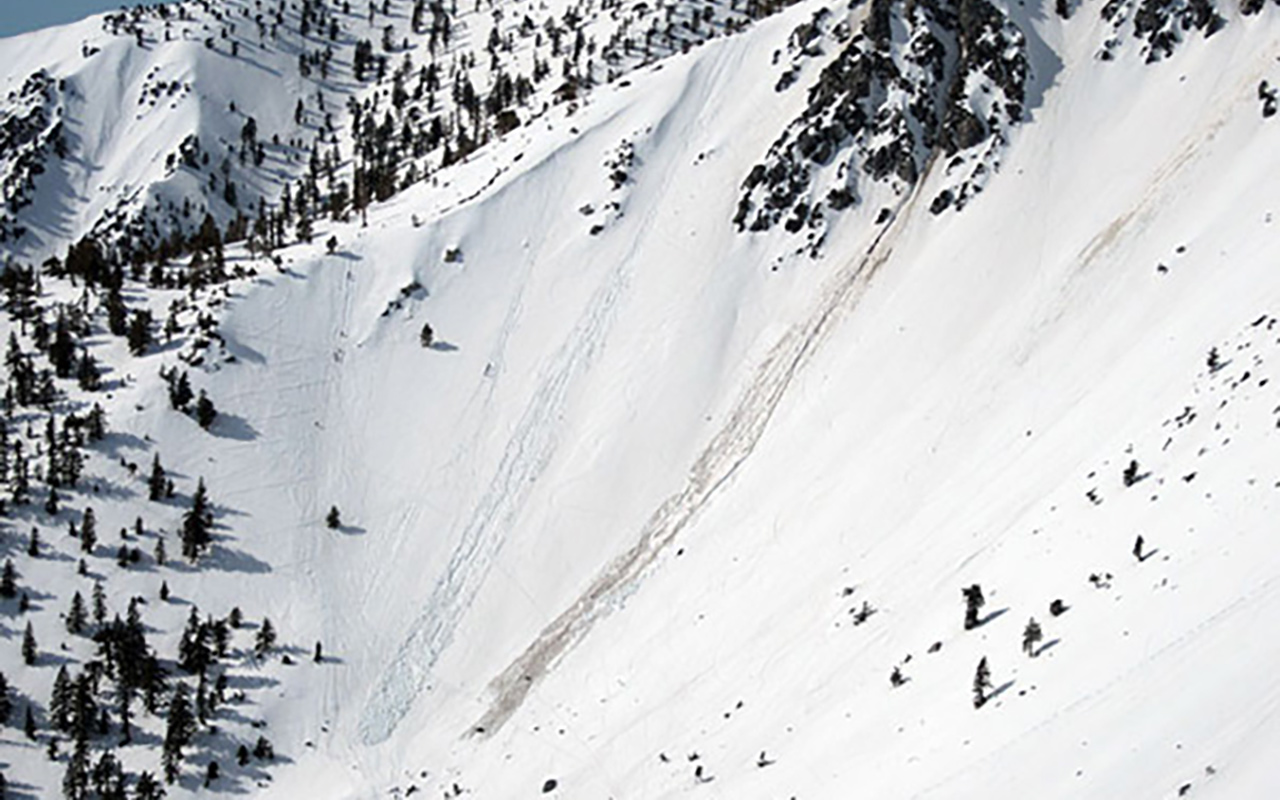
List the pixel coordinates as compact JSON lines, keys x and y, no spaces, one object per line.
{"x":664,"y":504}
{"x":649,"y":490}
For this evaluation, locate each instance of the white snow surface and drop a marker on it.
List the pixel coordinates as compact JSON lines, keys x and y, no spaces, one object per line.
{"x":611,"y":528}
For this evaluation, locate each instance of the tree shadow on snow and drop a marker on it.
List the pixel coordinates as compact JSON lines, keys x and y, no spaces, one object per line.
{"x":999,"y":690}
{"x":994,"y":615}
{"x":351,"y":530}
{"x":1046,"y":647}
{"x":233,"y":426}
{"x":444,"y":347}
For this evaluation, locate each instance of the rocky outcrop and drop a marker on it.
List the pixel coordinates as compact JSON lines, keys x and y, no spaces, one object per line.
{"x":889,"y":104}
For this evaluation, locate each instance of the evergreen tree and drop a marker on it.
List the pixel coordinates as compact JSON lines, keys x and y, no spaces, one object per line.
{"x":194,"y":655}
{"x":29,"y":651}
{"x":205,"y":412}
{"x":60,"y":701}
{"x":1031,"y":636}
{"x":333,"y":520}
{"x":242,"y":755}
{"x":210,"y":774}
{"x":76,"y":615}
{"x":160,"y":553}
{"x":51,"y":502}
{"x":196,"y":524}
{"x":99,"y":604}
{"x":147,"y":788}
{"x":88,"y":531}
{"x":262,"y":750}
{"x":139,"y":334}
{"x":973,"y":602}
{"x":981,"y":683}
{"x":180,"y":394}
{"x":6,"y":702}
{"x":88,"y":376}
{"x":8,"y":581}
{"x":265,"y":640}
{"x":180,"y":726}
{"x":156,"y":483}
{"x":29,"y":724}
{"x":75,"y":781}
{"x":33,"y":544}
{"x":164,"y":591}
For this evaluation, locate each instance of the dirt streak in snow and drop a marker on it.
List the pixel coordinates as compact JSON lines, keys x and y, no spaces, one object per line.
{"x":727,"y":450}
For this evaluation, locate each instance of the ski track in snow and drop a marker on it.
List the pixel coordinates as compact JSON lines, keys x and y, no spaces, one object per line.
{"x":727,"y":450}
{"x":530,"y":449}
{"x":526,"y":455}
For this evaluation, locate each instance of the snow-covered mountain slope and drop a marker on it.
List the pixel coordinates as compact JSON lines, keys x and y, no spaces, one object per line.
{"x":665,"y":504}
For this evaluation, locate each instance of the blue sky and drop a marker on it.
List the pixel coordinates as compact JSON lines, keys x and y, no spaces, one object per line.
{"x":19,"y":16}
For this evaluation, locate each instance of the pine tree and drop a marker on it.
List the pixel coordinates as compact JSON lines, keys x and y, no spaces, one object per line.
{"x":265,"y":641}
{"x":99,"y":604}
{"x":210,"y":774}
{"x":155,"y":484}
{"x":6,"y":702}
{"x":8,"y":581}
{"x":196,"y":524}
{"x":33,"y":544}
{"x":75,"y":781}
{"x":180,"y":726}
{"x":973,"y":601}
{"x":160,"y":552}
{"x":180,"y":394}
{"x":76,"y":615}
{"x":60,"y":701}
{"x":51,"y":502}
{"x":147,"y":788}
{"x":29,"y":724}
{"x":242,"y":755}
{"x":981,"y":684}
{"x":333,"y":520}
{"x":88,"y":531}
{"x":1031,"y":636}
{"x":164,"y":591}
{"x":29,"y":652}
{"x":262,"y":750}
{"x":139,"y":333}
{"x":205,"y":412}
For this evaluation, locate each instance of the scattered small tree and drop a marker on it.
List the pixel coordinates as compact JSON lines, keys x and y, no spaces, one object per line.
{"x":8,"y":581}
{"x":205,"y":411}
{"x":156,"y":483}
{"x":981,"y":684}
{"x":333,"y":520}
{"x":1031,"y":637}
{"x":6,"y":702}
{"x":29,"y":651}
{"x":88,"y":531}
{"x":265,"y":640}
{"x":973,"y":602}
{"x":1130,"y":476}
{"x":427,"y":337}
{"x":76,"y":615}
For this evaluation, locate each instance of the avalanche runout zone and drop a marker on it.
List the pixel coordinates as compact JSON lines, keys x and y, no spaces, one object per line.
{"x":727,"y":450}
